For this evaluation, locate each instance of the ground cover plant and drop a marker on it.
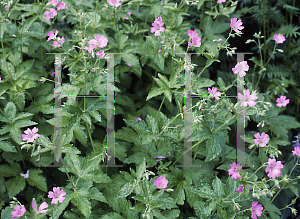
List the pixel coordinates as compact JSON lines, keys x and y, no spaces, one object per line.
{"x":149,"y":41}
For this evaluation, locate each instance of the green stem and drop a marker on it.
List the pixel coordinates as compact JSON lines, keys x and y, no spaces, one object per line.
{"x":272,"y":200}
{"x":4,"y":57}
{"x":294,"y":167}
{"x":255,"y":171}
{"x":159,"y":108}
{"x":145,"y":26}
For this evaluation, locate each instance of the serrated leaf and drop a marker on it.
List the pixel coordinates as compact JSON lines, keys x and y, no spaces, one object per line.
{"x":10,"y":110}
{"x":218,"y":187}
{"x":126,"y":190}
{"x":24,"y":123}
{"x":36,"y":179}
{"x":8,"y":171}
{"x":24,"y":67}
{"x":96,"y":115}
{"x":7,"y":146}
{"x":95,"y":194}
{"x":154,"y":92}
{"x":141,"y":169}
{"x":15,"y":185}
{"x":221,"y":212}
{"x":80,"y":135}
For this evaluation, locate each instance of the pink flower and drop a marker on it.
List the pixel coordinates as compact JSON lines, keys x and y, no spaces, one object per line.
{"x":139,"y":118}
{"x":161,"y":158}
{"x":114,"y":2}
{"x":7,"y":7}
{"x":162,"y":42}
{"x":247,"y":98}
{"x":90,"y":48}
{"x":192,"y":33}
{"x":279,"y":38}
{"x":30,"y":135}
{"x":125,"y":18}
{"x":0,"y":79}
{"x":274,"y":168}
{"x":250,"y":188}
{"x":240,"y":189}
{"x":296,"y":151}
{"x":42,"y":206}
{"x":196,"y":42}
{"x":161,"y":182}
{"x":25,"y":176}
{"x":221,"y":1}
{"x":129,"y":13}
{"x":52,"y":36}
{"x":101,"y":54}
{"x":100,"y":41}
{"x":37,"y":160}
{"x":240,"y":68}
{"x":50,"y":14}
{"x":18,"y":211}
{"x":61,"y":6}
{"x":169,"y":153}
{"x":57,"y":195}
{"x":236,"y":25}
{"x":128,"y":64}
{"x":256,"y":210}
{"x":159,"y":51}
{"x":234,"y":172}
{"x":261,"y":140}
{"x":214,"y":92}
{"x":157,"y":26}
{"x":59,"y":42}
{"x":282,"y":101}
{"x":54,"y":2}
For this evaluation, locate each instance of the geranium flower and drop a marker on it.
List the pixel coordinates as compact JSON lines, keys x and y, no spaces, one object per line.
{"x":42,"y":206}
{"x":221,"y":1}
{"x":139,"y":118}
{"x":30,"y":135}
{"x":59,"y":41}
{"x":54,"y":2}
{"x":234,"y":172}
{"x":114,"y":3}
{"x":7,"y":7}
{"x":50,"y":14}
{"x":101,"y":54}
{"x":261,"y":140}
{"x":57,"y":195}
{"x":39,"y":158}
{"x":161,"y":182}
{"x":161,"y":157}
{"x":196,"y":42}
{"x":25,"y":176}
{"x":52,"y":36}
{"x":214,"y":92}
{"x":256,"y":210}
{"x":282,"y":101}
{"x":297,"y":150}
{"x":159,"y":51}
{"x":279,"y":38}
{"x":18,"y":211}
{"x":247,"y":98}
{"x":240,"y":189}
{"x":192,"y":33}
{"x":157,"y":26}
{"x":236,"y":25}
{"x":99,"y":41}
{"x":274,"y":168}
{"x":61,"y":6}
{"x":240,"y":68}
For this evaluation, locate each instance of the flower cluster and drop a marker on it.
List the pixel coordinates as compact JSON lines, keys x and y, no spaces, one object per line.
{"x":52,"y":13}
{"x":57,"y":195}
{"x":114,"y":3}
{"x":57,"y":41}
{"x":196,"y":40}
{"x":157,"y":26}
{"x":99,"y":41}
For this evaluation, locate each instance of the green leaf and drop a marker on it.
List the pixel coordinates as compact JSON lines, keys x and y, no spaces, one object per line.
{"x":15,"y":185}
{"x":122,"y":39}
{"x":24,"y":123}
{"x":58,"y":209}
{"x":221,"y":212}
{"x":154,"y":92}
{"x":10,"y":110}
{"x":221,"y":83}
{"x":210,"y":60}
{"x":178,"y":195}
{"x":6,"y":213}
{"x":96,"y":115}
{"x":218,"y":187}
{"x":8,"y":171}
{"x":95,"y":194}
{"x":213,"y":149}
{"x":141,"y":169}
{"x":126,"y":190}
{"x":15,"y":134}
{"x":24,"y":67}
{"x":80,"y":199}
{"x":36,"y":179}
{"x":80,"y":135}
{"x":7,"y":146}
